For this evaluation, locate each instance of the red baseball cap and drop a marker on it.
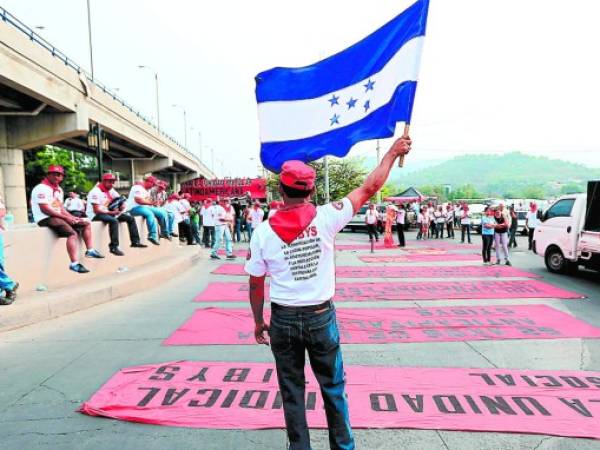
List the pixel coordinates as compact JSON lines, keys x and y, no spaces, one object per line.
{"x":297,"y":175}
{"x":55,"y":169}
{"x":109,"y":177}
{"x":151,"y":179}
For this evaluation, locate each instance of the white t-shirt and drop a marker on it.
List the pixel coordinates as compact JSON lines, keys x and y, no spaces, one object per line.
{"x":175,"y":207}
{"x":303,"y":272}
{"x":97,"y":197}
{"x":400,"y":216}
{"x":371,"y":216}
{"x":256,"y":217}
{"x":207,"y":216}
{"x":532,"y":219}
{"x":74,"y":204}
{"x":465,"y":218}
{"x":43,"y":194}
{"x":137,"y":190}
{"x":186,"y":207}
{"x":219,"y":213}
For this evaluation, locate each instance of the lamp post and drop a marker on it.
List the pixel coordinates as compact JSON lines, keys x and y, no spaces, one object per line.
{"x":98,"y":141}
{"x":199,"y":143}
{"x":156,"y":87}
{"x":184,"y":124}
{"x":89,"y":15}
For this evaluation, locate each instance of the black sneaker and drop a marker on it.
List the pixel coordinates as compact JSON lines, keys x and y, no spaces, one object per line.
{"x":214,"y":257}
{"x":116,"y":251}
{"x":174,"y":235}
{"x":93,"y":253}
{"x":166,"y":236}
{"x":154,"y":241}
{"x":139,"y":245}
{"x":508,"y":263}
{"x":79,"y":268}
{"x":11,"y":294}
{"x":5,"y":301}
{"x":231,"y":257}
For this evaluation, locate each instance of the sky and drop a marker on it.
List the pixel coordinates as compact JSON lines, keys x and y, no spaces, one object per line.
{"x":496,"y":75}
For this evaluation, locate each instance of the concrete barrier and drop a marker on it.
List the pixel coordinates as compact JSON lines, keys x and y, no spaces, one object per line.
{"x":37,"y":259}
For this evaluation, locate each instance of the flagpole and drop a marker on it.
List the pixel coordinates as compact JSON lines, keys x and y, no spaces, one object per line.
{"x":406,"y":130}
{"x":378,"y":161}
{"x":326,"y":170}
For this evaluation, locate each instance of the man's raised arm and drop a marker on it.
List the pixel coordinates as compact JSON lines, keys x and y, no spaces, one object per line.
{"x":378,"y":177}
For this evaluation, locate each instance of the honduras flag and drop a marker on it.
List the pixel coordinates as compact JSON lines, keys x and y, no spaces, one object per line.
{"x":358,"y":94}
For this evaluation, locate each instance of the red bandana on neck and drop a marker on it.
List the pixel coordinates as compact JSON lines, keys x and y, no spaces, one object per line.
{"x":105,"y":190}
{"x":55,"y":188}
{"x":291,"y":221}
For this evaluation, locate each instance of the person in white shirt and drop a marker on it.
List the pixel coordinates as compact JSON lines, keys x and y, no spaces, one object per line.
{"x":400,"y":222}
{"x":465,"y":223}
{"x":105,"y":205}
{"x":256,"y":216}
{"x":208,"y":224}
{"x":177,"y":208}
{"x":450,"y":220}
{"x":224,"y":216}
{"x":48,"y":211}
{"x":371,"y":220}
{"x":75,"y":205}
{"x":296,"y":247}
{"x":531,"y":222}
{"x":139,"y":203}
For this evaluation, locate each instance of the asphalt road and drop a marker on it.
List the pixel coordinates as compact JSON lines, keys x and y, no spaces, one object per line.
{"x":48,"y":369}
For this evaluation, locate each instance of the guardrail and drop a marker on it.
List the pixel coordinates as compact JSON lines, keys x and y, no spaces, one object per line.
{"x":34,"y":37}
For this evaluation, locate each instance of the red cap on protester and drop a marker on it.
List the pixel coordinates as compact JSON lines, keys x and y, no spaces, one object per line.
{"x":109,"y":177}
{"x":297,"y":175}
{"x":151,"y":179}
{"x":274,"y":204}
{"x":173,"y":197}
{"x":55,"y":169}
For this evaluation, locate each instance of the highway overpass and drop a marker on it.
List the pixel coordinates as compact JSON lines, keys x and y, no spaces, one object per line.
{"x":46,"y":98}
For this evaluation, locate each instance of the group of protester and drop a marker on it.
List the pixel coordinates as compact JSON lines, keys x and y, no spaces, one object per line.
{"x":393,"y":215}
{"x":432,"y":221}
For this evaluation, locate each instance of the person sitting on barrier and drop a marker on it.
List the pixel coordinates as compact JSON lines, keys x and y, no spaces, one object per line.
{"x":177,"y":208}
{"x":106,"y":205}
{"x":159,"y":197}
{"x":139,"y":203}
{"x":48,"y":211}
{"x":6,"y":283}
{"x":75,"y":205}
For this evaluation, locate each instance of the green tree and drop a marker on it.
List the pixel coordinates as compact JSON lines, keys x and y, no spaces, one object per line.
{"x":345,"y":175}
{"x":77,"y":166}
{"x":533,"y":192}
{"x":466,"y":191}
{"x":572,"y":188}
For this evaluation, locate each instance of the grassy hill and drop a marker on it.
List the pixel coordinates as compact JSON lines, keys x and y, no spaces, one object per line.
{"x":509,"y":175}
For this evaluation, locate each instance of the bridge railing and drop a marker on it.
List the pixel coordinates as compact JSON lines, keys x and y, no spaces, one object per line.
{"x":34,"y":37}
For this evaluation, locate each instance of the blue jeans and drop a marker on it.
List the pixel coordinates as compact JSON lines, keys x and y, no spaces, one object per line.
{"x":5,"y":281}
{"x":171,"y":222}
{"x":238,"y":229}
{"x":151,"y":215}
{"x":220,"y":231}
{"x":196,"y":232}
{"x":294,"y":331}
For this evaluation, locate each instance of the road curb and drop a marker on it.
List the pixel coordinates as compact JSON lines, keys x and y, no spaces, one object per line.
{"x":40,"y":306}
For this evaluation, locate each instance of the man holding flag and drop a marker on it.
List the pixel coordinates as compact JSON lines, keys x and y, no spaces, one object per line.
{"x":305,"y":114}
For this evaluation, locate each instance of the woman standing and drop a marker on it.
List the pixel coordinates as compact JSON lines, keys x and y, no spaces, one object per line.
{"x":514,"y":224}
{"x":400,"y":221}
{"x":465,"y":223}
{"x":488,"y":225}
{"x":390,"y":218}
{"x":501,"y":237}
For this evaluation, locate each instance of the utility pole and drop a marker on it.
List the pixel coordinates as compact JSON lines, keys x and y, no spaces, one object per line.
{"x":156,"y":88}
{"x":89,"y":14}
{"x":184,"y":124}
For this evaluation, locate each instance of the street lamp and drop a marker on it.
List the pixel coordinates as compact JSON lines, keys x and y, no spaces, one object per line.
{"x":156,"y":86}
{"x":89,"y":15}
{"x":184,"y":124}
{"x":199,"y":142}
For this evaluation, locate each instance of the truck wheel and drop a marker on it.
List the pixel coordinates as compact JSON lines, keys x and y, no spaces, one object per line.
{"x":557,"y":263}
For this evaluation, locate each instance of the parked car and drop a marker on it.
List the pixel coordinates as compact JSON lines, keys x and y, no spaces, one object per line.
{"x":569,"y":235}
{"x":476,"y":211}
{"x":522,"y":219}
{"x":358,"y":221}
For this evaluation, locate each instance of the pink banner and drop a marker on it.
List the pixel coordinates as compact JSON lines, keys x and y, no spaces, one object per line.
{"x":217,"y":326}
{"x":406,"y":271}
{"x":239,"y":395}
{"x":419,"y":258}
{"x":240,"y":253}
{"x":416,"y":250}
{"x":433,"y":290}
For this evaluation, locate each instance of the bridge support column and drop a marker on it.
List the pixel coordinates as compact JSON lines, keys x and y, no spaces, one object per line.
{"x":12,"y":178}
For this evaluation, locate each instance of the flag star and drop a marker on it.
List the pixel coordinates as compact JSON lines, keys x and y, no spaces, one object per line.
{"x":367,"y":105}
{"x":369,"y":85}
{"x":351,"y":103}
{"x":334,"y":100}
{"x":335,"y":120}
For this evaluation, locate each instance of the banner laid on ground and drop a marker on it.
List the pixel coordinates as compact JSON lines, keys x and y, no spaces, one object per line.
{"x":238,"y":395}
{"x":217,"y":326}
{"x":444,"y":257}
{"x":433,"y":250}
{"x":423,"y":290}
{"x":406,"y":271}
{"x":202,"y":189}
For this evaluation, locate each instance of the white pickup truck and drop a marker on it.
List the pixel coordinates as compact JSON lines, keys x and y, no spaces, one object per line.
{"x":569,"y":235}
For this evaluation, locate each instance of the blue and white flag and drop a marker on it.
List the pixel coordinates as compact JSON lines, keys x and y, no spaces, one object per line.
{"x":356,"y":95}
